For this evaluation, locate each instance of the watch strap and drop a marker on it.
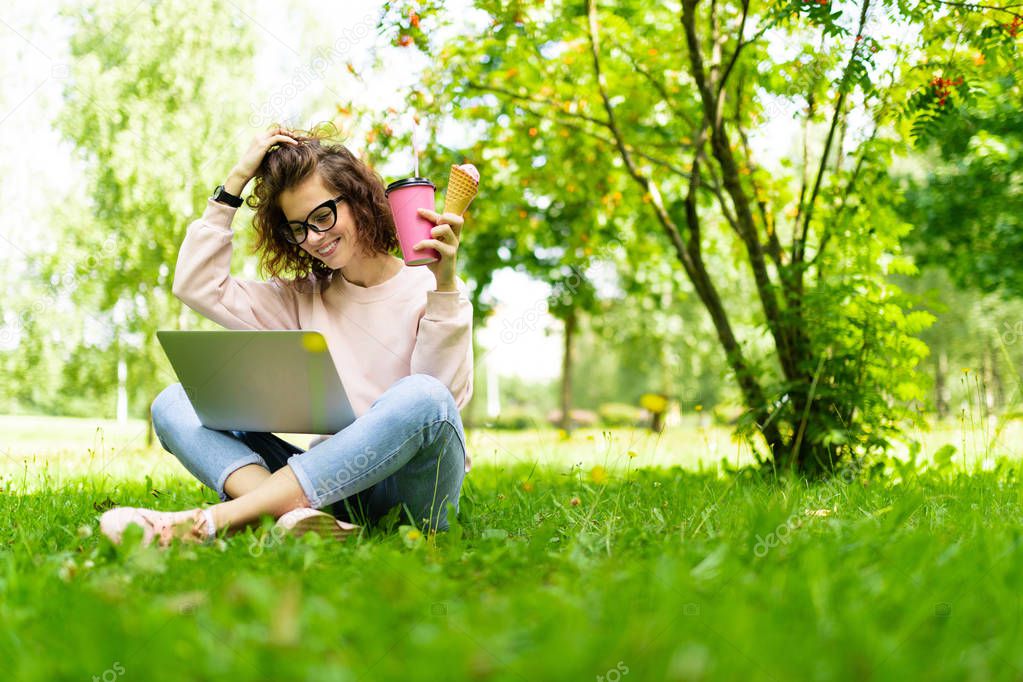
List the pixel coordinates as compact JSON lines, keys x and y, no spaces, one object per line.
{"x":223,"y":196}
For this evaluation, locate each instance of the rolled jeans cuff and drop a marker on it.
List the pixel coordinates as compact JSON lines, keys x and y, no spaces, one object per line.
{"x":305,"y":482}
{"x":233,"y":467}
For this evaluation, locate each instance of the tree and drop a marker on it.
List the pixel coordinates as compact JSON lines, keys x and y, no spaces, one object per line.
{"x":669,"y":100}
{"x":975,"y":345}
{"x":555,"y":244}
{"x":151,"y":95}
{"x":968,"y":206}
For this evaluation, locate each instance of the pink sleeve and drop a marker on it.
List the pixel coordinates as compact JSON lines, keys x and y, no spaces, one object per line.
{"x":443,"y":346}
{"x":203,"y":281}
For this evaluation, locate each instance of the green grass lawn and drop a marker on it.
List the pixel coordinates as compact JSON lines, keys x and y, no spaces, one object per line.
{"x":571,"y":561}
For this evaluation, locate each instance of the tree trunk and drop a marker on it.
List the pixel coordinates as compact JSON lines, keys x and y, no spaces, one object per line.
{"x":688,"y":249}
{"x":468,"y":411}
{"x":988,"y":385}
{"x":657,"y":423}
{"x":150,"y":432}
{"x":941,"y":383}
{"x":566,"y":372}
{"x":667,"y":374}
{"x":997,"y":383}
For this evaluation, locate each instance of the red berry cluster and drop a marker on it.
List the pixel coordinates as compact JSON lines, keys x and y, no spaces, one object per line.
{"x":1014,"y":27}
{"x":814,"y":2}
{"x":405,"y":39}
{"x":868,"y":41}
{"x":943,"y":88}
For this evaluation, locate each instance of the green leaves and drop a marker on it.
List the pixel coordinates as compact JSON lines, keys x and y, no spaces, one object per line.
{"x":943,"y":456}
{"x":966,"y":205}
{"x":799,"y":257}
{"x":964,"y":50}
{"x":144,"y":108}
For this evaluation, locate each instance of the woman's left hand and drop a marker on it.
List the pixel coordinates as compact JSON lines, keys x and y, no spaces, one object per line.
{"x":448,"y":228}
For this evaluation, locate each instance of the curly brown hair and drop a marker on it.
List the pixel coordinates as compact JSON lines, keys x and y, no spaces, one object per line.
{"x":284,"y":166}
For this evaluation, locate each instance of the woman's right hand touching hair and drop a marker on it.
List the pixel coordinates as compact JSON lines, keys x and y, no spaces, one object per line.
{"x":248,"y":164}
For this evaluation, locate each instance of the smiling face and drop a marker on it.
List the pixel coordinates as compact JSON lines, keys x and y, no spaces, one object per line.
{"x":335,"y":247}
{"x":294,"y":180}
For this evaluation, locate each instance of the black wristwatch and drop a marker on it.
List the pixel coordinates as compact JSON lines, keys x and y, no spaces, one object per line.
{"x":223,"y":196}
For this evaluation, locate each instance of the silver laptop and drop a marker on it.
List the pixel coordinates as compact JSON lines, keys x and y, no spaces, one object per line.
{"x":283,"y":381}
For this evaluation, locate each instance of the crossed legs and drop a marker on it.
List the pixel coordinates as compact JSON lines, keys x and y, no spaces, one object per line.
{"x":407,"y":450}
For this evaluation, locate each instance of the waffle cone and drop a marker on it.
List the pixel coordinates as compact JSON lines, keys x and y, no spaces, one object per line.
{"x":462,"y":189}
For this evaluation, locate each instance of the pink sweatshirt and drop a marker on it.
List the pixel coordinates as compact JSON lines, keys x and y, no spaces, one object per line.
{"x":376,"y":335}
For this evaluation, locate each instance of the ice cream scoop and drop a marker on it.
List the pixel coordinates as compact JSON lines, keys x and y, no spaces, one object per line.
{"x":463,"y":186}
{"x":471,"y":171}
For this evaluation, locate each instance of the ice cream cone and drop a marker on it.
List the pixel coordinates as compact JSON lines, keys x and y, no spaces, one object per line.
{"x":463,"y":185}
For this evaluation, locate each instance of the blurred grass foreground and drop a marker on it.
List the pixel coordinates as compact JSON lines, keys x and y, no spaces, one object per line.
{"x":569,"y":560}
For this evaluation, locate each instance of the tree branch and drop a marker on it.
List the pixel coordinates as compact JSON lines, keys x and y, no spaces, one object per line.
{"x":659,"y":86}
{"x":721,"y":146}
{"x":804,"y":166}
{"x":811,"y":107}
{"x":799,"y":252}
{"x":606,"y":140}
{"x":714,"y":185}
{"x":688,"y":254}
{"x":532,"y":100}
{"x":850,"y":186}
{"x":773,"y":245}
{"x":975,"y":6}
{"x":840,"y":149}
{"x":738,"y":48}
{"x":829,"y":226}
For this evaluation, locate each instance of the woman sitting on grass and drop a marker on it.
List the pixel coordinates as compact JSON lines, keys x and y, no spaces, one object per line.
{"x":400,"y":336}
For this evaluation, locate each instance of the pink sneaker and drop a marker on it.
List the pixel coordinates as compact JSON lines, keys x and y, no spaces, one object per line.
{"x":194,"y":525}
{"x":308,"y":520}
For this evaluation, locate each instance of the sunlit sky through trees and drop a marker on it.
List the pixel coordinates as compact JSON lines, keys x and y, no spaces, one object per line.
{"x":39,"y":169}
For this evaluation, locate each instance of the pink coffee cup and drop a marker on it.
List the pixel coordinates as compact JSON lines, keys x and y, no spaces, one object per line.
{"x":405,"y":198}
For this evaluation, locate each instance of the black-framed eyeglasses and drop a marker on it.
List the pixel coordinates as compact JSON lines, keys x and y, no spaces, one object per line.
{"x":320,"y":219}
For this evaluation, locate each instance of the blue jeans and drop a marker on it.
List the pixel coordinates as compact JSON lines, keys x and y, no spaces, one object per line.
{"x":407,"y":450}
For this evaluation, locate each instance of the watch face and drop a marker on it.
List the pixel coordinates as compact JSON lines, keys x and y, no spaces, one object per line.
{"x":220,"y":194}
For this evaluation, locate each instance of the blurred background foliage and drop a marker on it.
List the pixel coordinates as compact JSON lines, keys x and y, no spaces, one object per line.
{"x":889,"y":217}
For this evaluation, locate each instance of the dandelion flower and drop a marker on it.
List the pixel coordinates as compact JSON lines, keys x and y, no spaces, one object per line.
{"x":598,"y":475}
